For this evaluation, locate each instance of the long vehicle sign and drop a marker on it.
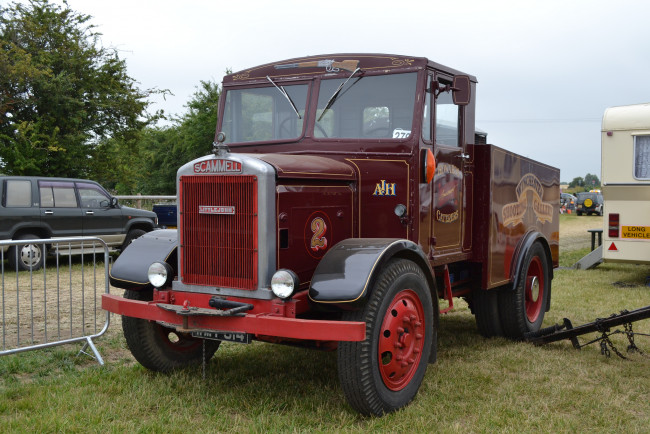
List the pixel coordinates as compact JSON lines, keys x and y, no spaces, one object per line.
{"x":636,"y":232}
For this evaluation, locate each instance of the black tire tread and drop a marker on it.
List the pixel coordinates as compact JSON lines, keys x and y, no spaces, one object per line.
{"x":512,"y":308}
{"x":141,"y":338}
{"x":355,"y":358}
{"x":486,"y":312}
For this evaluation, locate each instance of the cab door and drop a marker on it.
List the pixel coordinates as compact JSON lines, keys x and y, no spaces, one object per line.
{"x":449,"y":181}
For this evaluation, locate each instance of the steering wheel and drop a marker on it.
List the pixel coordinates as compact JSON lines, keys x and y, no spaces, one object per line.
{"x":378,"y":132}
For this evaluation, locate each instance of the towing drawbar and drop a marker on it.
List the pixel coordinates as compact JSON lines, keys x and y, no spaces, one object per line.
{"x":602,"y":325}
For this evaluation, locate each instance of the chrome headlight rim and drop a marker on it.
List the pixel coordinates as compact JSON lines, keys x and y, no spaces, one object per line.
{"x":284,"y":283}
{"x":160,"y":274}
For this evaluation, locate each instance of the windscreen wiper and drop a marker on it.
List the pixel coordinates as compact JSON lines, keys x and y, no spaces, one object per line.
{"x":286,"y":95}
{"x":336,"y":94}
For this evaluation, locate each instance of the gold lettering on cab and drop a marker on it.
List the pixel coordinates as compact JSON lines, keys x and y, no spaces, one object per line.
{"x":384,"y":188}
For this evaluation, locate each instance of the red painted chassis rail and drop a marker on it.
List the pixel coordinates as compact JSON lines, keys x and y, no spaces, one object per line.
{"x":265,"y":324}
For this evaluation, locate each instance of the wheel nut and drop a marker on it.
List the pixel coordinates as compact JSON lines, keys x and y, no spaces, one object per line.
{"x":400,"y":330}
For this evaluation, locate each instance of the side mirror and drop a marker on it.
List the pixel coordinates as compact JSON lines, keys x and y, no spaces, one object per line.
{"x":462,"y":90}
{"x":113,"y":202}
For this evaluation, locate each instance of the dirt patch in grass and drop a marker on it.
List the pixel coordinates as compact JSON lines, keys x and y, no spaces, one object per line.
{"x":573,"y":231}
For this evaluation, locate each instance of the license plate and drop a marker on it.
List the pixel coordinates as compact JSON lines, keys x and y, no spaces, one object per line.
{"x":636,"y":232}
{"x":240,"y":337}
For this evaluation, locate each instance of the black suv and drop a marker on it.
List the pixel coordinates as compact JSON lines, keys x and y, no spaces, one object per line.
{"x":589,"y":203}
{"x":40,"y":208}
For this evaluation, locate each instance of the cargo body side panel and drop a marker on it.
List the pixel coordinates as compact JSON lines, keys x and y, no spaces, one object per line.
{"x":513,"y":196}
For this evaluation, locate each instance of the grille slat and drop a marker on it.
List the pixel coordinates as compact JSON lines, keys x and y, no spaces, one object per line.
{"x":219,"y":249}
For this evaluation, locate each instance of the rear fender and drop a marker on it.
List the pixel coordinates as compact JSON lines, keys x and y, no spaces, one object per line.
{"x":130,"y":268}
{"x":524,"y":245}
{"x":346,"y":274}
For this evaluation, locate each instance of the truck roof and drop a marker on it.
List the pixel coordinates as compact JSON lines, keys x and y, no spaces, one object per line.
{"x":305,"y":67}
{"x":627,"y":117}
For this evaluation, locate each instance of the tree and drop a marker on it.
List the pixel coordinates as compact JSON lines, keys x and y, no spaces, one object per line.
{"x":61,"y":92}
{"x":591,"y":181}
{"x":577,"y":182}
{"x":147,"y":161}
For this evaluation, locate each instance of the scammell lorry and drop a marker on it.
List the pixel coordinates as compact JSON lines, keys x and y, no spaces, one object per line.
{"x":346,"y":195}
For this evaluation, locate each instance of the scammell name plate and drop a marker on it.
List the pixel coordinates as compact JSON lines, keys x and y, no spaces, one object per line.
{"x":240,"y":337}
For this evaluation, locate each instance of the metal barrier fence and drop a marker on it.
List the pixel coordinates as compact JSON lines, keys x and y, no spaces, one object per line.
{"x":58,"y":303}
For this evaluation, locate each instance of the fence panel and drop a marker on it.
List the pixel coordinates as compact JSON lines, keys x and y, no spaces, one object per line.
{"x":59,"y":303}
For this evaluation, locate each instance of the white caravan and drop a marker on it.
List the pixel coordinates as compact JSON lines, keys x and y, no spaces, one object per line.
{"x":626,"y":183}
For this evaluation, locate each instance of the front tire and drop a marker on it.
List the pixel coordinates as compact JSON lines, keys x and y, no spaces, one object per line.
{"x":159,"y":348}
{"x":522,"y":308}
{"x":132,"y":235}
{"x":28,"y":256}
{"x":383,"y":372}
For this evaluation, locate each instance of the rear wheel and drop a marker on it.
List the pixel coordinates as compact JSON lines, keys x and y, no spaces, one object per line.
{"x":383,"y":372}
{"x":160,"y":348}
{"x":27,"y":256}
{"x":485,"y":305}
{"x":522,"y":308}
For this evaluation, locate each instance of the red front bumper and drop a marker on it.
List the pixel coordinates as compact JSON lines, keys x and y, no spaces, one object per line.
{"x":263,"y":324}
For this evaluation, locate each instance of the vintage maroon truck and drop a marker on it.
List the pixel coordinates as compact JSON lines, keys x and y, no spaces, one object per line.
{"x":347,"y":194}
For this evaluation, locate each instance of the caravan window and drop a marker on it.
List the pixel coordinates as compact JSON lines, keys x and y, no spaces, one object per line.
{"x":642,"y":157}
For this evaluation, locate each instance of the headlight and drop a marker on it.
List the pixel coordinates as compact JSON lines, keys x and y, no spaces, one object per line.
{"x":284,"y":283}
{"x":160,"y":274}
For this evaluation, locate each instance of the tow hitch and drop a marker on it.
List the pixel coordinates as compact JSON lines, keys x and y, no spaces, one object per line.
{"x":625,"y":318}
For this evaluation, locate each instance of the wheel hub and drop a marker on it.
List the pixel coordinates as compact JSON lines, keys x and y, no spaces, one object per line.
{"x":533,"y":285}
{"x":402,"y":340}
{"x":30,"y":255}
{"x":534,"y":289}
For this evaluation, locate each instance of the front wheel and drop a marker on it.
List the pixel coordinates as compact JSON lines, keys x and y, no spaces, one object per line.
{"x":160,"y":348}
{"x":522,"y":308}
{"x":383,"y":372}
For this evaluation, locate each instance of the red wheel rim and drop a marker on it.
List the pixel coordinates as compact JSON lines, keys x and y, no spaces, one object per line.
{"x":401,"y":340}
{"x":534,"y":289}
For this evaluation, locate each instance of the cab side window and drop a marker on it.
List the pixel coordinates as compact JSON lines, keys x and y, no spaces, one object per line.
{"x":18,"y":193}
{"x":447,"y":116}
{"x":92,"y":196}
{"x":57,"y":194}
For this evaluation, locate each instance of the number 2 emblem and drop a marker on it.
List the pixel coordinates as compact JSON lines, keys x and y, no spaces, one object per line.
{"x":318,"y":240}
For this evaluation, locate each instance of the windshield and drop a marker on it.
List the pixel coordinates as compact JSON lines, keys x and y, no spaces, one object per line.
{"x":264,"y":114}
{"x":366,"y":107}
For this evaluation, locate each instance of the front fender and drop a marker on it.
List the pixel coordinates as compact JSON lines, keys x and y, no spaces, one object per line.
{"x":130,"y":268}
{"x":346,"y":272}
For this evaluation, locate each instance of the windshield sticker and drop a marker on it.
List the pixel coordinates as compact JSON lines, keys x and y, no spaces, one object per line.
{"x":399,"y":133}
{"x":513,"y":213}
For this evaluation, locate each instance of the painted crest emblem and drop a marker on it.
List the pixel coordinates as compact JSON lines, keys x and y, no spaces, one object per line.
{"x":513,"y":213}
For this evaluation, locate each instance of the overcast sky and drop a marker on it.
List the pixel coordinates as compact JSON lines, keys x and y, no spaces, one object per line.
{"x":546,"y":70}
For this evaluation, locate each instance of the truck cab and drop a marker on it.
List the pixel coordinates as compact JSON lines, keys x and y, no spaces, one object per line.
{"x":346,"y":194}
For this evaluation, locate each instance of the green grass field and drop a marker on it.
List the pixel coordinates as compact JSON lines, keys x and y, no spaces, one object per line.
{"x":478,"y":384}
